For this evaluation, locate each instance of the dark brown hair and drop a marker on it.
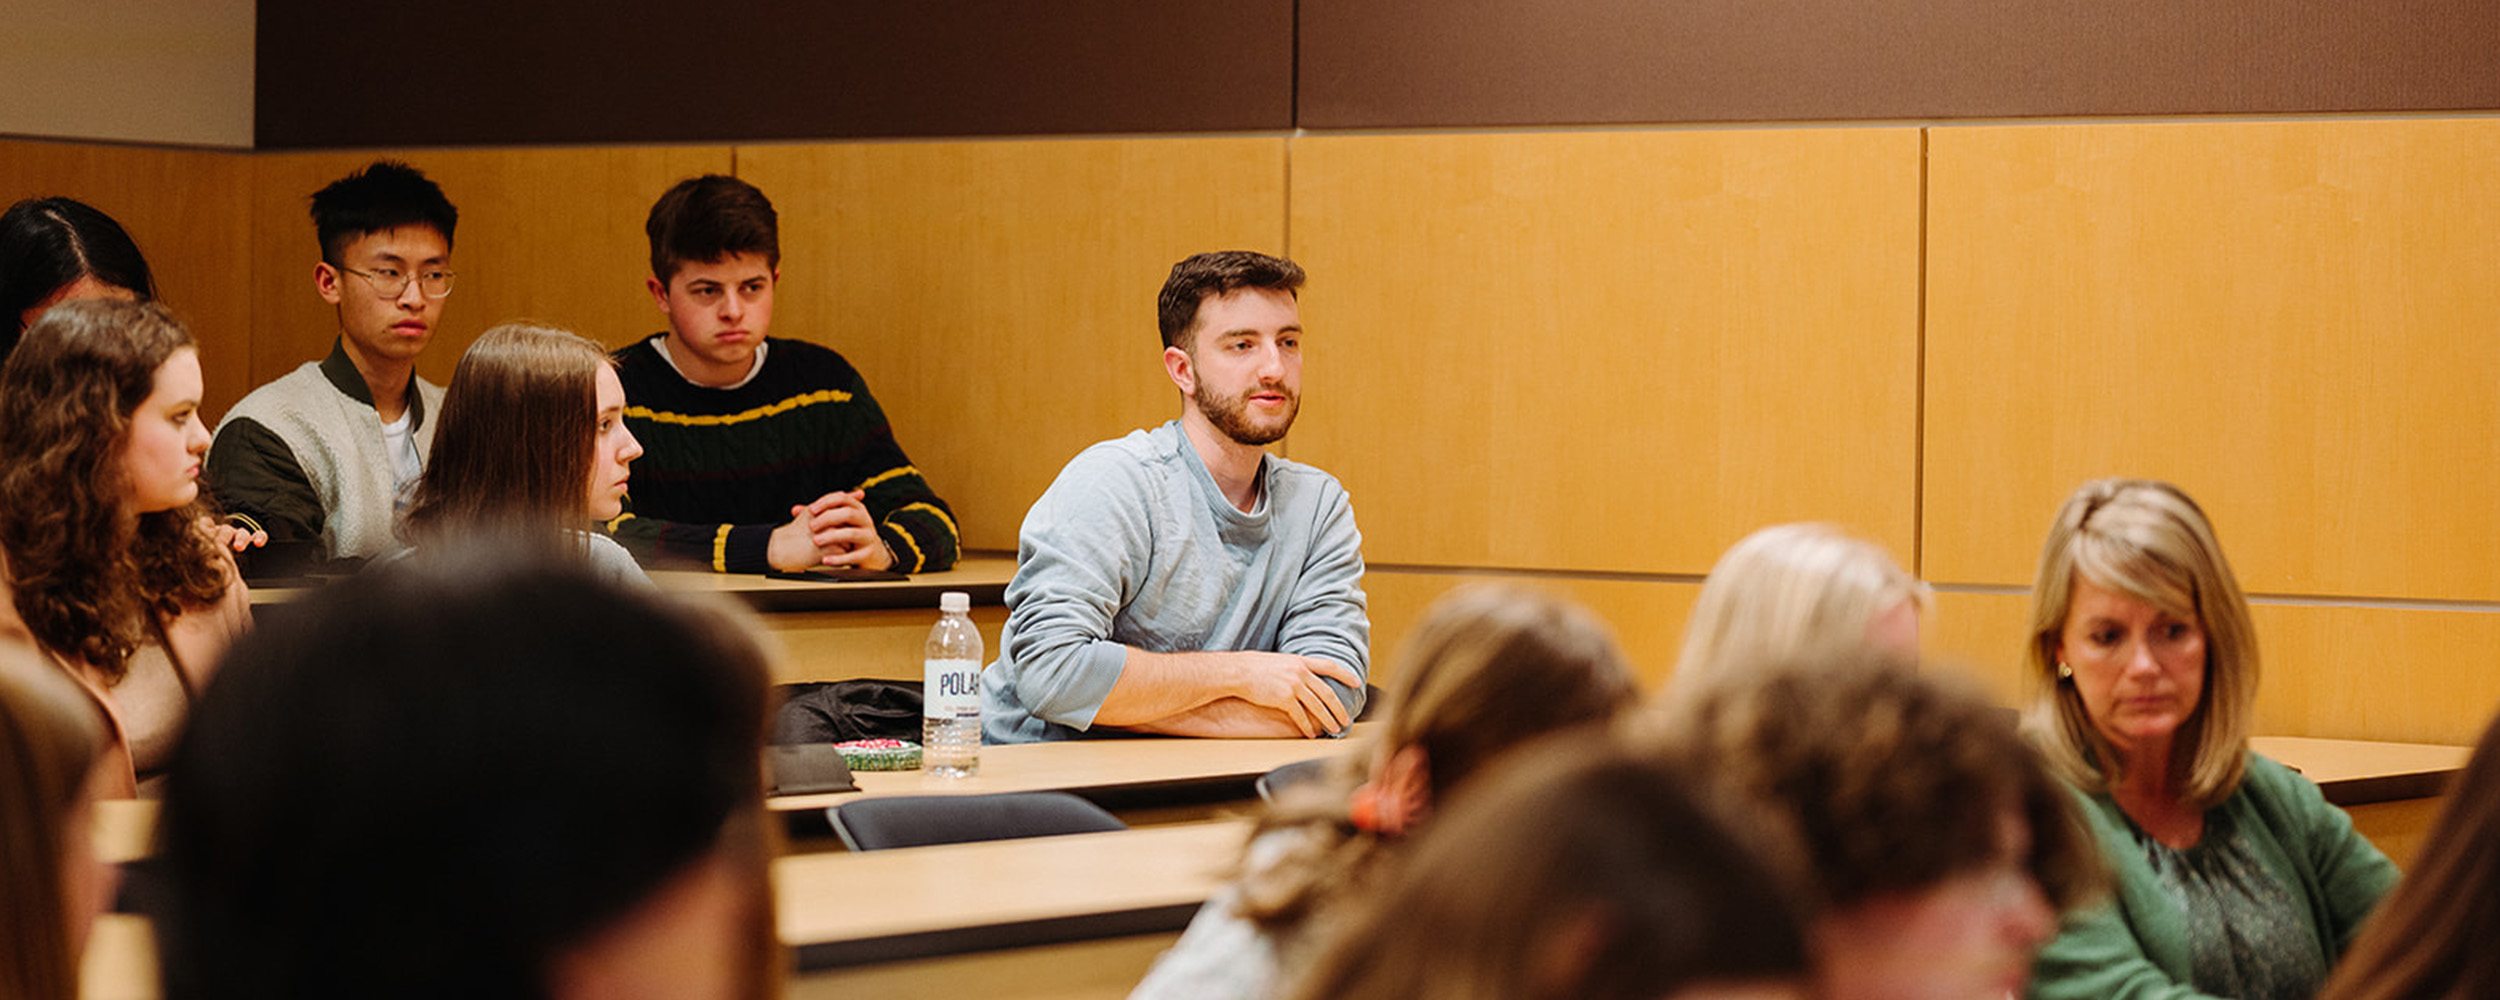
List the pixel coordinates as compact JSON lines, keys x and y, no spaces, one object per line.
{"x":513,"y":446}
{"x":47,"y":244}
{"x":1214,"y":275}
{"x":2427,"y":938}
{"x":91,"y":583}
{"x":1881,"y":779}
{"x":446,"y":773}
{"x":708,"y":219}
{"x":1576,"y":870}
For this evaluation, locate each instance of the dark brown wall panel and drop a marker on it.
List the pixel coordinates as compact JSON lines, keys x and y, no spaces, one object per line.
{"x":631,"y":71}
{"x":1425,"y":63}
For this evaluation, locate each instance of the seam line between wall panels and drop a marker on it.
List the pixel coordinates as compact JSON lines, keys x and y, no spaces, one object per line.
{"x":1918,"y":419}
{"x":1529,"y":573}
{"x":2273,"y":600}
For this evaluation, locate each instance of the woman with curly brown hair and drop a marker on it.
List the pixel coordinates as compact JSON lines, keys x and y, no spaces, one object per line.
{"x":1936,"y":847}
{"x":108,"y":567}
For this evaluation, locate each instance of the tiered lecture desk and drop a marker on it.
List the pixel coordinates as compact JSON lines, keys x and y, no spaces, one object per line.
{"x":828,"y":631}
{"x":2392,"y":790}
{"x":1060,"y":917}
{"x":1145,"y":781}
{"x":1083,"y":916}
{"x":1067,"y":916}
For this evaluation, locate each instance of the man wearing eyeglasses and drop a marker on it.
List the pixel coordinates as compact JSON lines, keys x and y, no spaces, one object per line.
{"x":321,"y":459}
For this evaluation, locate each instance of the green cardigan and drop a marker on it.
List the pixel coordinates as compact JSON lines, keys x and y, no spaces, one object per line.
{"x":2134,"y":946}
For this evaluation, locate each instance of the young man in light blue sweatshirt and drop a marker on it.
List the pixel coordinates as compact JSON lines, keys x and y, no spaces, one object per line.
{"x":1181,"y":580}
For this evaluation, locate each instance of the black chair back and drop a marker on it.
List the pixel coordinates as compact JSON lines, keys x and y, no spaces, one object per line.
{"x":924,"y":820}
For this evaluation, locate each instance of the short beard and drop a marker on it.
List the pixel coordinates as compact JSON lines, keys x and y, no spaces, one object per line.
{"x":1231,"y":416}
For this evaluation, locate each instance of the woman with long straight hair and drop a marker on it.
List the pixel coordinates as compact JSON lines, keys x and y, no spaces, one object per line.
{"x":531,"y":440}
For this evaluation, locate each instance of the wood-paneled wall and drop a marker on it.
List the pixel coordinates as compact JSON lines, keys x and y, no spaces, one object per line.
{"x":548,"y":234}
{"x":1596,"y":358}
{"x":2292,"y":320}
{"x":1000,"y":296}
{"x":1609,"y":351}
{"x":189,"y":212}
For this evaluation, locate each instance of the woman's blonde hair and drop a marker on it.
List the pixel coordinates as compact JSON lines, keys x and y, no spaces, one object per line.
{"x":51,"y":735}
{"x":2147,"y":540}
{"x":1785,"y":592}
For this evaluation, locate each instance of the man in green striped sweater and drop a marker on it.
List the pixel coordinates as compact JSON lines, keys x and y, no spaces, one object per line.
{"x":759,"y":454}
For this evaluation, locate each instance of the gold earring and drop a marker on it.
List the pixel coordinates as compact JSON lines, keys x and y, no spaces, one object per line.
{"x":2064,"y":671}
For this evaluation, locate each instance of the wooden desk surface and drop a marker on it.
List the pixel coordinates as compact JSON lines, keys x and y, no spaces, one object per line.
{"x":850,"y":909}
{"x":1140,"y":768}
{"x":983,"y":575}
{"x":120,"y":963}
{"x":2359,"y":772}
{"x":125,"y":829}
{"x":844,"y":910}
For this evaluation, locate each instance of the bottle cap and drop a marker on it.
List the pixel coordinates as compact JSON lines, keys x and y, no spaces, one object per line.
{"x":955,"y":602}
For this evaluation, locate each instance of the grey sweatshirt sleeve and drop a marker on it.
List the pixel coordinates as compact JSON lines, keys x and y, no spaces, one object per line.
{"x":1083,"y":546}
{"x":1328,"y":618}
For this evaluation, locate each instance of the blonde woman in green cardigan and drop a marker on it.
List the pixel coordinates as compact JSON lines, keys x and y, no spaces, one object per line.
{"x":2235,"y":877}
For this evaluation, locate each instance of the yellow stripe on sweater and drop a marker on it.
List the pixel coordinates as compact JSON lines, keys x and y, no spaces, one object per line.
{"x":918,"y":558}
{"x":931,"y":508}
{"x":720,"y":550}
{"x":758,"y":413}
{"x":872,"y":481}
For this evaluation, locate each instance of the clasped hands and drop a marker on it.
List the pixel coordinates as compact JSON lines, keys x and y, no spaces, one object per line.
{"x":835,"y":530}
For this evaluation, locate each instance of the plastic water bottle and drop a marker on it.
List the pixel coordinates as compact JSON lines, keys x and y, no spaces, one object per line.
{"x":950,"y":696}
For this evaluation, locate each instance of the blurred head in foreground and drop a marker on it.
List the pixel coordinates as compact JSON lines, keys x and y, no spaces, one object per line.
{"x":1936,"y":850}
{"x":1790,"y":591}
{"x":52,"y":886}
{"x":1577,"y":870}
{"x":484,"y":773}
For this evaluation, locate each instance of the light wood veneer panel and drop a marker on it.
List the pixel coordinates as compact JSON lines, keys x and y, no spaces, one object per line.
{"x":1980,"y":636}
{"x":547,"y":234}
{"x":2292,"y":320}
{"x":189,"y":212}
{"x":1615,"y":351}
{"x":1000,"y":296}
{"x":1648,"y":616}
{"x":887,"y":643}
{"x":2404,"y":675}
